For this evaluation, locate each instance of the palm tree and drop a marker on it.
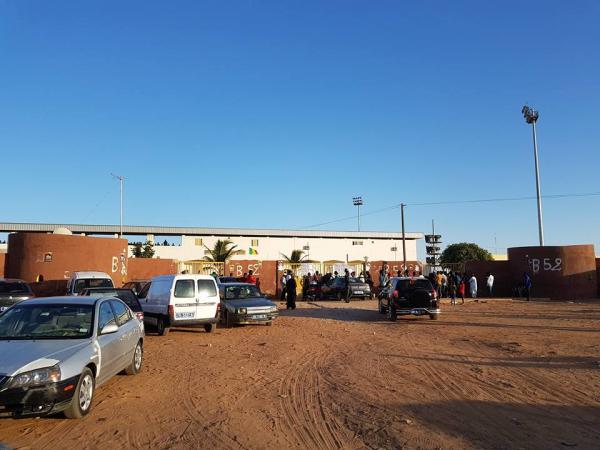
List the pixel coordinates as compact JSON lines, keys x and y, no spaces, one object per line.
{"x":297,"y":256}
{"x":221,"y":251}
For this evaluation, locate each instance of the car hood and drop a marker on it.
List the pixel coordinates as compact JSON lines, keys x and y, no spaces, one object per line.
{"x":250,"y":302}
{"x":21,"y":356}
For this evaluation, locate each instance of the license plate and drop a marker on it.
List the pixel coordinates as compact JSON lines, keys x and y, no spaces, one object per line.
{"x":358,"y":292}
{"x":259,"y":316}
{"x":185,"y":315}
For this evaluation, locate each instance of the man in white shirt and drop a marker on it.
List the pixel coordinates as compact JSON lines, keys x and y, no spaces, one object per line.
{"x":490,"y":283}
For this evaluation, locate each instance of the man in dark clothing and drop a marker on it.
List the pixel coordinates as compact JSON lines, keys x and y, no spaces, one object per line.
{"x":347,"y":284}
{"x":290,"y":287}
{"x":527,"y":285}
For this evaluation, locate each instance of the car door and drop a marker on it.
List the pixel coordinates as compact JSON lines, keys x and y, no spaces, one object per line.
{"x":207,"y":298}
{"x":127,"y":332}
{"x":109,"y":343}
{"x":184,"y":299}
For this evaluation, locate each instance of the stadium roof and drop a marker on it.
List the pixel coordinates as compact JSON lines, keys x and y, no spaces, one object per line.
{"x":133,"y":230}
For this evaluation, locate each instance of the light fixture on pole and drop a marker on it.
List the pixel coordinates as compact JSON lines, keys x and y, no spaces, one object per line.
{"x":531,"y":116}
{"x":357,"y":201}
{"x":121,"y":178}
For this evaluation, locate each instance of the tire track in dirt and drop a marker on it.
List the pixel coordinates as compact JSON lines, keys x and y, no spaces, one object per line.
{"x":302,"y":401}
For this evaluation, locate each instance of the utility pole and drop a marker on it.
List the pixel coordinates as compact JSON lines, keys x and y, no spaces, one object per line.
{"x":357,"y":201}
{"x":402,"y":205}
{"x":531,"y":116}
{"x":121,"y":178}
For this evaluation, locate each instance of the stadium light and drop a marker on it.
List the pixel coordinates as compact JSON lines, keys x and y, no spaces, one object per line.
{"x":357,"y":201}
{"x":531,"y":117}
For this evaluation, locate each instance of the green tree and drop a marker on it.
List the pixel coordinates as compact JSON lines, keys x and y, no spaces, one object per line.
{"x":137,"y":249}
{"x":297,"y":256}
{"x":463,"y":252}
{"x":221,"y":251}
{"x":148,"y":251}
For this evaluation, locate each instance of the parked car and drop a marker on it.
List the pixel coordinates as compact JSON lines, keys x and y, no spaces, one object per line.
{"x":13,"y":291}
{"x":55,"y":351}
{"x":136,"y":285}
{"x":182,"y":301}
{"x":336,"y":288}
{"x":243,"y":304}
{"x":409,"y":296}
{"x":83,"y":280}
{"x":221,"y":280}
{"x":125,"y":295}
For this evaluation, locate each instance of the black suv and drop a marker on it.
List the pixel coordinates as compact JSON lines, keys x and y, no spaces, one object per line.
{"x":409,"y":296}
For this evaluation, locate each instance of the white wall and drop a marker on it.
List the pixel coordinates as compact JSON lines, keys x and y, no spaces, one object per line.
{"x":271,"y":248}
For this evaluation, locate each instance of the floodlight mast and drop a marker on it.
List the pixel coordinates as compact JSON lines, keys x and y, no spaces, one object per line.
{"x":121,"y":178}
{"x":531,"y":117}
{"x":357,"y":201}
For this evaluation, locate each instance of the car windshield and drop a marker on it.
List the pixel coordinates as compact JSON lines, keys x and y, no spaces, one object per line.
{"x":241,"y":292}
{"x":35,"y":321}
{"x":84,"y":283}
{"x":10,"y":287}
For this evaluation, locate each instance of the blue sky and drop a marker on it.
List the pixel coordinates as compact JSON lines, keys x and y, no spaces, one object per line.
{"x":275,"y":114}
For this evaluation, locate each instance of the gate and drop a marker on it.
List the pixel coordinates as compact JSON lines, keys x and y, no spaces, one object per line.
{"x":202,"y":267}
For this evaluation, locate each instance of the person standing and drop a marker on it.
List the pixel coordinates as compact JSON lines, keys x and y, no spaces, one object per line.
{"x":369,"y":281}
{"x":347,"y":285}
{"x":444,"y":284}
{"x":527,"y":285}
{"x":290,"y":287}
{"x":283,"y":282}
{"x":452,"y":291}
{"x":473,"y":286}
{"x":490,"y":284}
{"x":251,"y":278}
{"x":438,"y":284}
{"x":461,"y":290}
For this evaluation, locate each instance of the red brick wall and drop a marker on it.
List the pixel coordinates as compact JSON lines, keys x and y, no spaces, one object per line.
{"x":598,"y":274}
{"x":70,"y":253}
{"x":565,"y":272}
{"x":2,"y":261}
{"x":503,"y":277}
{"x":146,"y":268}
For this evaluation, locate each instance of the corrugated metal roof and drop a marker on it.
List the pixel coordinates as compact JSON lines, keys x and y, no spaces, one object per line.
{"x":199,"y":231}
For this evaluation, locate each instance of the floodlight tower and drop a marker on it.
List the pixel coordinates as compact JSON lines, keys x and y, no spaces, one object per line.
{"x":357,"y":201}
{"x":121,"y":178}
{"x":531,"y":116}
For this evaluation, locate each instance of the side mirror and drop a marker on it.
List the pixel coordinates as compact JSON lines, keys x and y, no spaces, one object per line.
{"x":110,"y":328}
{"x":395,"y":294}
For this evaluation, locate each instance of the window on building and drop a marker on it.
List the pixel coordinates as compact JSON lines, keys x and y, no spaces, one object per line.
{"x":254,"y":243}
{"x":357,"y":242}
{"x":198,"y":242}
{"x":394,"y":249}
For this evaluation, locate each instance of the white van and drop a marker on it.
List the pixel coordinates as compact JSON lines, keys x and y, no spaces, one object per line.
{"x":181,"y":301}
{"x":83,"y":280}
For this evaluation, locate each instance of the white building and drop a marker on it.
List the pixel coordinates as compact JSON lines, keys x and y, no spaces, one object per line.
{"x":253,"y":244}
{"x":273,"y":244}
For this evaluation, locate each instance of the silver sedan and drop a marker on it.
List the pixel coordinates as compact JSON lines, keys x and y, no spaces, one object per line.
{"x":55,"y":351}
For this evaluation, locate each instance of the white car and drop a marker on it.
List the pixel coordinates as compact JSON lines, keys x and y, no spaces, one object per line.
{"x":88,"y":279}
{"x":182,"y":301}
{"x":55,"y":351}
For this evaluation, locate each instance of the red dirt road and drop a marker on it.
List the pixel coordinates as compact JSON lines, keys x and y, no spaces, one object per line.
{"x":501,"y":374}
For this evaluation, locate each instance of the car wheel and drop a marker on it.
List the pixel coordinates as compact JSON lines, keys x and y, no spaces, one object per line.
{"x":228,"y":320}
{"x":210,"y":327}
{"x":392,"y":313}
{"x":81,"y":403}
{"x":269,"y":324}
{"x":161,"y":327}
{"x":433,"y":316}
{"x":136,"y":364}
{"x":339,"y":296}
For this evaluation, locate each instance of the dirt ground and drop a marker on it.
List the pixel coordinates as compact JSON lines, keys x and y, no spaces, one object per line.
{"x":500,"y":374}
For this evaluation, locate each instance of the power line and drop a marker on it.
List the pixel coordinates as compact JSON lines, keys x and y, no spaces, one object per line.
{"x":453,"y":202}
